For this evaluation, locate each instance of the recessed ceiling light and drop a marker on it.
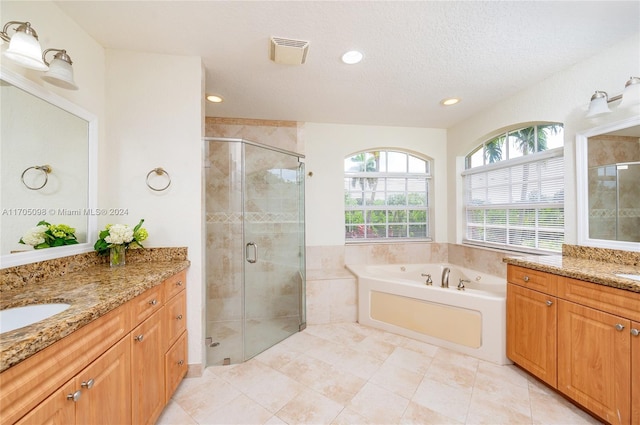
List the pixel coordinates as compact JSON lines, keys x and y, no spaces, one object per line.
{"x":352,"y":57}
{"x":215,"y":98}
{"x":450,"y":101}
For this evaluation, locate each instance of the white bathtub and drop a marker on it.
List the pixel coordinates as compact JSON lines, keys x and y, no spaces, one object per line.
{"x":395,"y":298}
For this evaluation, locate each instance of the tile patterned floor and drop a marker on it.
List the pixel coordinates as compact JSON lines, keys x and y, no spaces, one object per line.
{"x":351,"y":374}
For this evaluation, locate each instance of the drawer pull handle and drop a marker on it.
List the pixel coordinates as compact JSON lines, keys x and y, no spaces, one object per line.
{"x":179,"y":283}
{"x":88,"y":384}
{"x":181,"y":362}
{"x":526,"y":278}
{"x":139,"y":338}
{"x":619,"y":327}
{"x":549,"y":303}
{"x":635,"y":332}
{"x":179,"y":317}
{"x":153,"y":302}
{"x":75,"y":396}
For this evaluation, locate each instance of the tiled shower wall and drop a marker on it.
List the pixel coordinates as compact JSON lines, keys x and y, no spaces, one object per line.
{"x":604,"y":153}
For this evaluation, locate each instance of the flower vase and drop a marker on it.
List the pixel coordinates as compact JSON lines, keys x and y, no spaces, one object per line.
{"x":117,"y":255}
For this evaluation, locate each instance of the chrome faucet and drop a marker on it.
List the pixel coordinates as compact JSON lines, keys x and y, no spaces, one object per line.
{"x":428,"y":276}
{"x":461,"y":283}
{"x":445,"y":277}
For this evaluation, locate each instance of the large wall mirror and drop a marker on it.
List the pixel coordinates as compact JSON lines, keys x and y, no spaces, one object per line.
{"x":608,"y":167}
{"x":48,"y":151}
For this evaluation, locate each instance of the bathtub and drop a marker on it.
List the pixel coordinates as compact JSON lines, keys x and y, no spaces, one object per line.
{"x":395,"y":298}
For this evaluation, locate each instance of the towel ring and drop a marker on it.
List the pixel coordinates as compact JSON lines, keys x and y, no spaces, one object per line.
{"x":46,"y":169}
{"x":159,"y":171}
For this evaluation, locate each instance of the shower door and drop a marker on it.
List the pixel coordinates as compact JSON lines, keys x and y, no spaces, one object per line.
{"x":273,"y":239}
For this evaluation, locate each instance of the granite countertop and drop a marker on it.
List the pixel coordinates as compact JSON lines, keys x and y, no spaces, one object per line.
{"x":92,"y":292}
{"x":600,"y":272}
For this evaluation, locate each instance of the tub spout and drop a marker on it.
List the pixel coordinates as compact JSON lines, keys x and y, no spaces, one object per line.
{"x":445,"y":277}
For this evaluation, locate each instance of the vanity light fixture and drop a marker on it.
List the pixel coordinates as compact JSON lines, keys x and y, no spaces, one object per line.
{"x":599,"y":104}
{"x":215,"y":98}
{"x":352,"y":57}
{"x":60,"y":71}
{"x":450,"y":101}
{"x":24,"y":47}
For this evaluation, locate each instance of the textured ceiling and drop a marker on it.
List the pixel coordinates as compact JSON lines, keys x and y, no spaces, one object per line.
{"x":416,"y":53}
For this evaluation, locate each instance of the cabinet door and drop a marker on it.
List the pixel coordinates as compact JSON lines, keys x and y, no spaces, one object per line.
{"x":635,"y":373}
{"x":147,"y":370}
{"x":106,"y":388}
{"x":531,"y":331}
{"x":57,"y":409}
{"x":175,"y":317}
{"x":594,"y":356}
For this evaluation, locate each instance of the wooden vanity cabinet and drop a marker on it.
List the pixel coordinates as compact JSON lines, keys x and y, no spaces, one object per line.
{"x":119,"y":369}
{"x":597,"y":348}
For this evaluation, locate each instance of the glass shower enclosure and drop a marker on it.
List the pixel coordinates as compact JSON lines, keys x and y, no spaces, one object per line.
{"x":255,"y":262}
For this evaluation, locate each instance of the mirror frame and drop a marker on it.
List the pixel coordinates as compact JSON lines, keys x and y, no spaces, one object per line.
{"x":20,"y":258}
{"x":582,"y":185}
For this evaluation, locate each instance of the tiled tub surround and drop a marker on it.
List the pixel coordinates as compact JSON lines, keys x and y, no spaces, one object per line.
{"x":332,"y":290}
{"x":92,"y":291}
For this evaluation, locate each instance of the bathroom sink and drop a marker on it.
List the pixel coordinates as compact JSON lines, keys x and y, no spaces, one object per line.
{"x":18,"y":317}
{"x":629,"y":276}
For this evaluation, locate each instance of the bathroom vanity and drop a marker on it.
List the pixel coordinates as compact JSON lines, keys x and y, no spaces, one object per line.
{"x":575,"y":324}
{"x":115,"y":356}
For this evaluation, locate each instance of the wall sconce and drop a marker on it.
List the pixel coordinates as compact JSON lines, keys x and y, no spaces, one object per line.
{"x":24,"y":47}
{"x":600,"y":100}
{"x":60,"y":71}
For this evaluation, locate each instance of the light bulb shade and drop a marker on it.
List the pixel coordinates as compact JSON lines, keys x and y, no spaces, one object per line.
{"x":60,"y":74}
{"x":25,"y":50}
{"x":631,"y":93}
{"x":598,"y":105}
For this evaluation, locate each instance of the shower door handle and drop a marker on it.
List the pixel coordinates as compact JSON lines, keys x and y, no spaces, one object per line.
{"x":255,"y":252}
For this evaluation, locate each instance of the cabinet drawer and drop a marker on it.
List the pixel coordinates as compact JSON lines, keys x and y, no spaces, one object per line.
{"x":611,"y":300}
{"x":175,"y":365}
{"x":145,"y":304}
{"x":175,"y":317}
{"x":532,"y":279}
{"x":175,"y":284}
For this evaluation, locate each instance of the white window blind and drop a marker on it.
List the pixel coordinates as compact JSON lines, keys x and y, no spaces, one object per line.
{"x":517,"y":204}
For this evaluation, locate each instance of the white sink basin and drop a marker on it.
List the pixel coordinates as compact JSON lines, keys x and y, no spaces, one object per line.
{"x":630,"y":276}
{"x":18,"y":317}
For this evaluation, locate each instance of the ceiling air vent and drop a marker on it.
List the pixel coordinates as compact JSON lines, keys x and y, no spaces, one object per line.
{"x":287,"y":51}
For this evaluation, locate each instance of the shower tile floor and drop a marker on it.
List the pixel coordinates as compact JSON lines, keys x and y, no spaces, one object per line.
{"x":351,"y":374}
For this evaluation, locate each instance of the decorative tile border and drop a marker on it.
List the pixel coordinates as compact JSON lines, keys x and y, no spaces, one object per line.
{"x":611,"y":212}
{"x":252,"y":217}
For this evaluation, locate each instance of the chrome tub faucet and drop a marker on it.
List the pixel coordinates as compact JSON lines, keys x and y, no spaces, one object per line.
{"x":445,"y":277}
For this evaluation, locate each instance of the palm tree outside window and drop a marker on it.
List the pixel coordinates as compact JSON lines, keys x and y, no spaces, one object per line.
{"x":387,"y":196}
{"x":514,"y":190}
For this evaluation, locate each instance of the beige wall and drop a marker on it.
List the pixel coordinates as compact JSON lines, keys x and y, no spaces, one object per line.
{"x":326,"y":146}
{"x":154,"y":124}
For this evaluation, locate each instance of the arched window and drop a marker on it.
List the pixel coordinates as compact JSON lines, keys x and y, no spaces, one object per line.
{"x":386,"y":196}
{"x":514,"y":190}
